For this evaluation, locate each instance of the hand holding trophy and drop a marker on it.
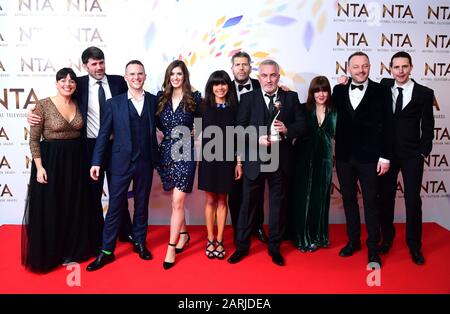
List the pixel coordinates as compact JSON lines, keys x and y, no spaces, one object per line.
{"x":274,"y":134}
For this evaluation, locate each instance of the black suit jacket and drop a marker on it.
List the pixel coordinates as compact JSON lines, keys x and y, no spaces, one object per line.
{"x":252,"y":111}
{"x":364,"y":133}
{"x":116,"y":83}
{"x":413,"y":126}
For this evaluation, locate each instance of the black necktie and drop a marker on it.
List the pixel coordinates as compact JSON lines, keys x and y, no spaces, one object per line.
{"x":101,"y":97}
{"x":271,"y":104}
{"x":399,"y":101}
{"x":242,"y":86}
{"x":360,"y":87}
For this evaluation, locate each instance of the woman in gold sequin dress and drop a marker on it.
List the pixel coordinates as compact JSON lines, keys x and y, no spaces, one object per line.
{"x":61,"y":223}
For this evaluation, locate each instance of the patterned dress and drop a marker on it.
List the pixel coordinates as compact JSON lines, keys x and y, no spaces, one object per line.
{"x":177,"y":164}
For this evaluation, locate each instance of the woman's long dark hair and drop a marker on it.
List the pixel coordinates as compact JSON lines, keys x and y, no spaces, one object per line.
{"x":319,"y":84}
{"x":167,"y":89}
{"x":216,"y":78}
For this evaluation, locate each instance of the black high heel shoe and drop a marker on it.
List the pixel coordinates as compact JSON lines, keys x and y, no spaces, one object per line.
{"x":168,"y":265}
{"x":219,"y":254}
{"x":179,"y":250}
{"x":210,"y":253}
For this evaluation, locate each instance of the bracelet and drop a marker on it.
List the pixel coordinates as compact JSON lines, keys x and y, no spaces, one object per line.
{"x":239,"y":164}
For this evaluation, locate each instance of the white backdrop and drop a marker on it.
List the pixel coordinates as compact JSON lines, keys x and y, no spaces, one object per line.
{"x":307,"y":38}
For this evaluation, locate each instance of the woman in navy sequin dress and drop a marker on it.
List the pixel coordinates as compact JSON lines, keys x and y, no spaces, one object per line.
{"x":177,"y":107}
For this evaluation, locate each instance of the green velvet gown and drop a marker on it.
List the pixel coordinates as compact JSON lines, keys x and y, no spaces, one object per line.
{"x":310,"y":193}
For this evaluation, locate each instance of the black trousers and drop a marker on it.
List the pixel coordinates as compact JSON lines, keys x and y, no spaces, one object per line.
{"x":252,"y":191}
{"x":235,"y":202}
{"x":126,"y":227}
{"x":349,"y":173}
{"x":412,"y":172}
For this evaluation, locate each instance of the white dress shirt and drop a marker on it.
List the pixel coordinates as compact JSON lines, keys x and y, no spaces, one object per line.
{"x":244,"y":90}
{"x":137,"y":103}
{"x":267,"y":99}
{"x":93,"y":108}
{"x":407,"y":93}
{"x":357,"y":95}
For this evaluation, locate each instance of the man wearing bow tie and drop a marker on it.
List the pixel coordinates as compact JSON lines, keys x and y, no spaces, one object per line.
{"x":241,"y":68}
{"x":362,"y":150}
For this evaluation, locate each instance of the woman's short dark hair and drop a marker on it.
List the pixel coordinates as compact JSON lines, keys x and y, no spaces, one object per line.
{"x":318,"y":84}
{"x":62,"y":73}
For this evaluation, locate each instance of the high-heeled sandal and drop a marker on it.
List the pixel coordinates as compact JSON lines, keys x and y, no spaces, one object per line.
{"x":210,"y":253}
{"x":219,"y":254}
{"x":167,"y":265}
{"x":179,"y":250}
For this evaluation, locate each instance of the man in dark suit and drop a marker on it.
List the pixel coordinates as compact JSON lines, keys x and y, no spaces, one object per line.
{"x":241,"y":68}
{"x":255,"y":113}
{"x":361,"y":150}
{"x":131,"y":118}
{"x":413,"y":124}
{"x":89,"y":94}
{"x":92,"y":92}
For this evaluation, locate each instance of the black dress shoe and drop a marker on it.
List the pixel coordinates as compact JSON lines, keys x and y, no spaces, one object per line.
{"x":261,"y":235}
{"x":168,"y":265}
{"x":385,"y":246}
{"x":349,"y":249}
{"x":101,"y":260}
{"x":144,"y":253}
{"x":126,"y":238}
{"x":237,"y":256}
{"x":417,"y":257}
{"x":277,"y":258}
{"x":373,"y":257}
{"x":313,"y":247}
{"x":66,"y":261}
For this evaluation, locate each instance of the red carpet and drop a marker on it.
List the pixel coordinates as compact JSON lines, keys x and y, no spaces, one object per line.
{"x":319,"y":272}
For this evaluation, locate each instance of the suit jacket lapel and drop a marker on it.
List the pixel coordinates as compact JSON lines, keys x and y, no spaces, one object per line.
{"x":85,"y":95}
{"x":282,"y":99}
{"x":366,"y":97}
{"x":125,"y":113}
{"x":414,"y":97}
{"x":348,"y":103}
{"x":149,"y":111}
{"x":263,"y":112}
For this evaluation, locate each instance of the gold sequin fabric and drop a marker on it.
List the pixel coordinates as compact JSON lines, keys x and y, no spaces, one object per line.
{"x":53,"y":126}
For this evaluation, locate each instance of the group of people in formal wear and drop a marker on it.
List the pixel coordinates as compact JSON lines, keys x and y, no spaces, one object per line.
{"x":107,"y":124}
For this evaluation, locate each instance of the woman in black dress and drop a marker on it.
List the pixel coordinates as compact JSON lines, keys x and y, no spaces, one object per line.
{"x":218,"y":168}
{"x":61,"y":222}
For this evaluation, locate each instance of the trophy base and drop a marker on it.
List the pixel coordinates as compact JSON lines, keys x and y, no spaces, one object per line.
{"x":275,"y":138}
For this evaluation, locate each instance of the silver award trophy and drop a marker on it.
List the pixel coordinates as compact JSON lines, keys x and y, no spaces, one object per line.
{"x":274,"y":135}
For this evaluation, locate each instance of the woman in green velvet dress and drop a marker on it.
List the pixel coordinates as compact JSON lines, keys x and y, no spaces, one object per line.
{"x":313,"y":173}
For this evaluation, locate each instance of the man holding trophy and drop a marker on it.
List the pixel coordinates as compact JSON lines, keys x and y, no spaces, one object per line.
{"x":275,"y":118}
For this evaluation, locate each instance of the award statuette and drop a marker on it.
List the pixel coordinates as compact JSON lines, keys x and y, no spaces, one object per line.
{"x":274,"y":135}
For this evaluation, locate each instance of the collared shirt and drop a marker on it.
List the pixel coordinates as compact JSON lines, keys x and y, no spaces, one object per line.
{"x":93,"y":108}
{"x":137,"y":103}
{"x":407,"y":93}
{"x":357,"y":95}
{"x":244,"y":90}
{"x":267,"y":99}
